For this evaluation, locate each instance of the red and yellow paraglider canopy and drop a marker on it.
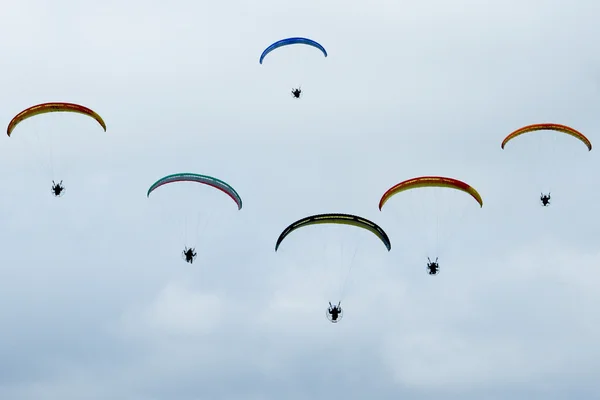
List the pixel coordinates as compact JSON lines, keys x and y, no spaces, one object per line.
{"x":548,"y":127}
{"x":430,"y":181}
{"x":53,"y":107}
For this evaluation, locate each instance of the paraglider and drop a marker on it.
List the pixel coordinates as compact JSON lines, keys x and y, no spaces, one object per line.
{"x":433,"y":267}
{"x":335,"y":313}
{"x":431,"y":181}
{"x":545,"y":199}
{"x":189,"y":254}
{"x":44,"y":108}
{"x":58,"y":189}
{"x":290,"y":41}
{"x":296,"y":92}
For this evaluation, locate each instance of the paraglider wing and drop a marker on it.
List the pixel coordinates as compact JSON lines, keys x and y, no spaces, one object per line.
{"x":288,"y":41}
{"x":346,"y":219}
{"x":430,"y":181}
{"x":548,"y":127}
{"x":53,"y":107}
{"x":207,"y":180}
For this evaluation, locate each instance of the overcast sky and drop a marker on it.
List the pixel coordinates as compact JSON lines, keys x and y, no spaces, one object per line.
{"x":96,"y":302}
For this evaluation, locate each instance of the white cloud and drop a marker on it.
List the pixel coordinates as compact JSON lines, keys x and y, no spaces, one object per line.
{"x":176,"y":311}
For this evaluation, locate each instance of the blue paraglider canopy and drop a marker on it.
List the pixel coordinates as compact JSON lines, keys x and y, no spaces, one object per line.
{"x":289,"y":41}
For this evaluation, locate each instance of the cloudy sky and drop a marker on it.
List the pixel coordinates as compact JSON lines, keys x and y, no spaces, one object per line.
{"x":96,"y":302}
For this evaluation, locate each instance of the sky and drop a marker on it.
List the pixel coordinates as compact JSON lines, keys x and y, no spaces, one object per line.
{"x":96,"y":302}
